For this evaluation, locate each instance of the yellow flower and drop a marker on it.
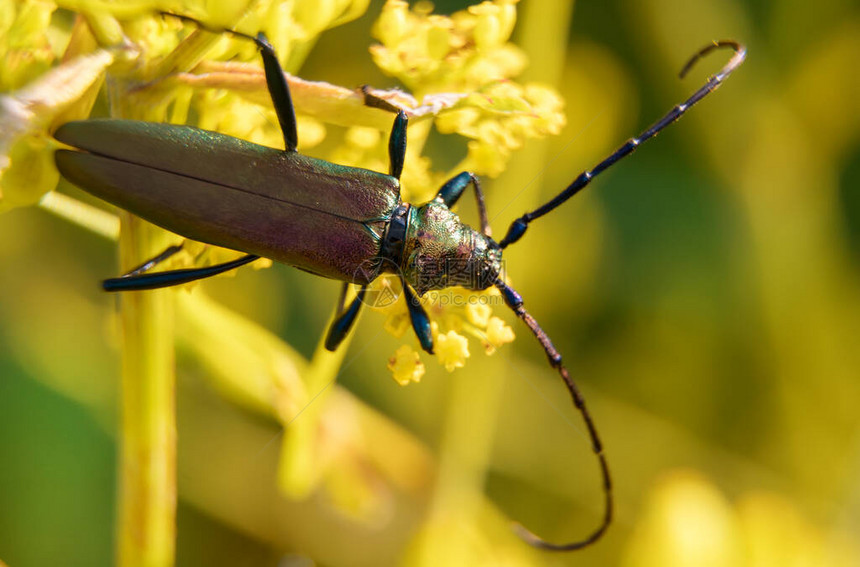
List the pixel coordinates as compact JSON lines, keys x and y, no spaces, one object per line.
{"x":469,"y":54}
{"x":495,"y":23}
{"x":397,"y":324}
{"x":478,"y":314}
{"x":452,"y":350}
{"x":406,"y":365}
{"x":498,"y":333}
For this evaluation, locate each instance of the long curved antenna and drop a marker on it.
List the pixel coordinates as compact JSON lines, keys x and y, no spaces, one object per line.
{"x":515,"y":302}
{"x":519,"y":226}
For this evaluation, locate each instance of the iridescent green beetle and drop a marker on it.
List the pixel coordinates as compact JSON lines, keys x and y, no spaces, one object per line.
{"x":338,"y":222}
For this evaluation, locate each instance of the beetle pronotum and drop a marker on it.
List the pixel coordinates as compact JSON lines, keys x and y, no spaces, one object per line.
{"x":269,"y":203}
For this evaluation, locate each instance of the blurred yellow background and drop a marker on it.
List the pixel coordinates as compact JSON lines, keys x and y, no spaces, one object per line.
{"x":704,"y":293}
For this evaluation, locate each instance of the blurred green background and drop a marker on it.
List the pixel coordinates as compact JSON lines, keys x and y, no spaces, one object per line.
{"x":704,"y":293}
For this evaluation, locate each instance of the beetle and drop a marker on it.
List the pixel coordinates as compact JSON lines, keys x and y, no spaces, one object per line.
{"x":271,"y":203}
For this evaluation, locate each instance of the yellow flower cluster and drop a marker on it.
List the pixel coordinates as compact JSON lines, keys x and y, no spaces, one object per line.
{"x":456,"y":314}
{"x":431,"y":53}
{"x":469,"y":53}
{"x":452,"y":348}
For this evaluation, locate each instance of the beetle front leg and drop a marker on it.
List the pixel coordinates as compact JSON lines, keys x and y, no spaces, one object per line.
{"x":453,"y":189}
{"x":344,"y":319}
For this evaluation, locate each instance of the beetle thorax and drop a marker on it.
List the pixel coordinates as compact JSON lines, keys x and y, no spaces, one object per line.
{"x":440,"y":251}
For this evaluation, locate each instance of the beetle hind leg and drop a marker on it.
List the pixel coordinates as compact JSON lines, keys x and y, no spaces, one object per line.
{"x":154,"y":261}
{"x":279,"y":90}
{"x":276,"y":81}
{"x":137,"y":280}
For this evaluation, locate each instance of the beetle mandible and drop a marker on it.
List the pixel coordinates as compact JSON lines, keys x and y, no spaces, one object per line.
{"x":269,"y":203}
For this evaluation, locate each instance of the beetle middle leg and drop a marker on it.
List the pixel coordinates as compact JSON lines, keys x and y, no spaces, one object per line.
{"x":397,"y":139}
{"x":419,"y":318}
{"x":344,"y":319}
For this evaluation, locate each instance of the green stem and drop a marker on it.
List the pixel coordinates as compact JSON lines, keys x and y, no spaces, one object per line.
{"x":147,"y":471}
{"x":298,"y":471}
{"x":467,"y":441}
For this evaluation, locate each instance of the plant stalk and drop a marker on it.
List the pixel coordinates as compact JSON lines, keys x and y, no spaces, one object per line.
{"x":146,"y":529}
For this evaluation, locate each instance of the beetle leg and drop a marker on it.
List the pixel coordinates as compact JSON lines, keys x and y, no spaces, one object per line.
{"x":397,"y":140}
{"x":152,"y":262}
{"x":397,"y":145}
{"x":344,"y":319}
{"x":419,"y":318}
{"x":341,"y":298}
{"x":453,"y":189}
{"x":515,"y":302}
{"x":519,"y":226}
{"x":276,"y":81}
{"x":139,"y":282}
{"x":279,"y":90}
{"x":375,"y":101}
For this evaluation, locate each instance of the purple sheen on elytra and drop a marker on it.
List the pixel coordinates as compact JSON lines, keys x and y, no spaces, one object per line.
{"x":321,"y":217}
